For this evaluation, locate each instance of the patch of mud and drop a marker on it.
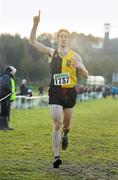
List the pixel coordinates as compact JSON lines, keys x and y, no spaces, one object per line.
{"x":69,"y":171}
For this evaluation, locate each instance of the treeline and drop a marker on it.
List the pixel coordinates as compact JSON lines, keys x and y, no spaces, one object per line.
{"x":100,"y":57}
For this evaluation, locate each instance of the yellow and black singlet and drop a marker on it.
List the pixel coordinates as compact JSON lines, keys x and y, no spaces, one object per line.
{"x":63,"y":73}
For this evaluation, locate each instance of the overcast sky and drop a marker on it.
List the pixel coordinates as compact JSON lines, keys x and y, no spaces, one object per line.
{"x":82,"y":16}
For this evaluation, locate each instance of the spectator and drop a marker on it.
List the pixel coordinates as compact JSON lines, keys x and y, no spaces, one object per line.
{"x":41,"y":90}
{"x":29,"y":92}
{"x":7,"y":95}
{"x":23,"y":88}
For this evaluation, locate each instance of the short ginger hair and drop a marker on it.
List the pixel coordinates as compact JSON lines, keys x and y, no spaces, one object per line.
{"x":63,"y":30}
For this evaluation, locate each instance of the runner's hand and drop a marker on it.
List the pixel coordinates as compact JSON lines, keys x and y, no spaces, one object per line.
{"x":36,"y":19}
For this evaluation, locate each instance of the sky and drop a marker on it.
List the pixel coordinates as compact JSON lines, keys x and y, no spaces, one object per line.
{"x":81,"y":16}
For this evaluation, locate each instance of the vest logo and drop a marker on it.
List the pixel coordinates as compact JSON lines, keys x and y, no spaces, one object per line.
{"x":68,"y":63}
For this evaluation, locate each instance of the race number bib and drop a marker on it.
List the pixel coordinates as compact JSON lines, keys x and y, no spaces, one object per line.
{"x":61,"y":78}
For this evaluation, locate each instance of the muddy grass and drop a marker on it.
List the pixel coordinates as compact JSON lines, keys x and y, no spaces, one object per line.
{"x":68,"y":171}
{"x":43,"y":170}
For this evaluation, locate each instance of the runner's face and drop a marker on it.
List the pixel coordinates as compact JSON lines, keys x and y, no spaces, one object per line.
{"x":63,"y":39}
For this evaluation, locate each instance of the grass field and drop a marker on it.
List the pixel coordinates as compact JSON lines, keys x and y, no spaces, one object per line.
{"x":26,"y":153}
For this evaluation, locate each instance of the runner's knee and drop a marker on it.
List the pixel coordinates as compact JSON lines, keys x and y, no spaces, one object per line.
{"x":56,"y":112}
{"x":58,"y":125}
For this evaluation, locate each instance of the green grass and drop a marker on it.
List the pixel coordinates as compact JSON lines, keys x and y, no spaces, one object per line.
{"x":26,"y":153}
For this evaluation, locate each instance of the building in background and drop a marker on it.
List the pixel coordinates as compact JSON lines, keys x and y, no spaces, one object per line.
{"x":107,"y":28}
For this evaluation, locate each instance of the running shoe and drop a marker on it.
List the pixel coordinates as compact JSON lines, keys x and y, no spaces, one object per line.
{"x":57,"y":163}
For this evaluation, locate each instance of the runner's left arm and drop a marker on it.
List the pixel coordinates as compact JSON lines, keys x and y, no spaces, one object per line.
{"x":79,"y":64}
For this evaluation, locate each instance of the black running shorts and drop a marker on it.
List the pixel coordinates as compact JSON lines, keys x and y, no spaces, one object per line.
{"x":65,"y":97}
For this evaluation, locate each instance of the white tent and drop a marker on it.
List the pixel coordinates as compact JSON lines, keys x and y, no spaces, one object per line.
{"x":96,"y":80}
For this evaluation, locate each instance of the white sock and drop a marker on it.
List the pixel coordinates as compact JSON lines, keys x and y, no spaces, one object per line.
{"x":56,"y":142}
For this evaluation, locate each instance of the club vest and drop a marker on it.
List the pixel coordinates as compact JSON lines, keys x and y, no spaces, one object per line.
{"x":63,"y":73}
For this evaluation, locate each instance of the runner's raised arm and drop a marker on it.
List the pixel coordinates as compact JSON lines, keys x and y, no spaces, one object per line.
{"x":40,"y":46}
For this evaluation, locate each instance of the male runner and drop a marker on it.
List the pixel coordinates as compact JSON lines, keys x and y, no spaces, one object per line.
{"x":62,"y":92}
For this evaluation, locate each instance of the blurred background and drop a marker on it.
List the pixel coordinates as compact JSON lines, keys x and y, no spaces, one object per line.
{"x":94,"y":31}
